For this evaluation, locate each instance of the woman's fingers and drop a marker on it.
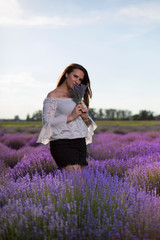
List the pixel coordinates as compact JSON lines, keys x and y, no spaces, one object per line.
{"x":79,"y":110}
{"x":82,"y":108}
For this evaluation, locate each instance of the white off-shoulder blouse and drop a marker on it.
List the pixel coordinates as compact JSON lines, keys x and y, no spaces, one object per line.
{"x":55,"y":126}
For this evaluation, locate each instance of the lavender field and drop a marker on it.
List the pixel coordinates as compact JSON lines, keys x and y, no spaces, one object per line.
{"x":116,"y":197}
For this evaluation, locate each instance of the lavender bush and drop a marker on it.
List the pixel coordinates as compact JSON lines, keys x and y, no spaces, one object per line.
{"x":15,"y":141}
{"x":65,"y":207}
{"x":39,"y":161}
{"x":116,"y":197}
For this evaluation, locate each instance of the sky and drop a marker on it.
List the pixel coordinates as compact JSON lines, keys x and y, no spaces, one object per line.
{"x":117,"y":41}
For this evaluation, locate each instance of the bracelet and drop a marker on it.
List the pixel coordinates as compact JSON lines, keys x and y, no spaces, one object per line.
{"x":86,"y":119}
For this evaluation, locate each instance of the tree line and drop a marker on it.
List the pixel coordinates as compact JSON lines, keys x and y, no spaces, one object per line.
{"x":114,"y":114}
{"x":105,"y":114}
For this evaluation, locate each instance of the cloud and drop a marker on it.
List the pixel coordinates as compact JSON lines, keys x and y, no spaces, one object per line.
{"x":12,"y":14}
{"x":127,"y":22}
{"x":24,"y":79}
{"x":142,"y":14}
{"x":21,"y":82}
{"x":37,"y":21}
{"x":21,"y":93}
{"x":10,"y":8}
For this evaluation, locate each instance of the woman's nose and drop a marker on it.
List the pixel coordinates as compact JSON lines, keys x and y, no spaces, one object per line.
{"x":78,"y":81}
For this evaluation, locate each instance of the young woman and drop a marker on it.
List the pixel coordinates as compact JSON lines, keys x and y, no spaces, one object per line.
{"x":66,"y":125}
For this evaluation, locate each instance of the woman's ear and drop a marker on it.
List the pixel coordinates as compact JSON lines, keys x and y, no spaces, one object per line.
{"x":66,"y":75}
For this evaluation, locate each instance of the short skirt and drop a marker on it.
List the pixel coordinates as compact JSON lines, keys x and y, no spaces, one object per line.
{"x":69,"y":152}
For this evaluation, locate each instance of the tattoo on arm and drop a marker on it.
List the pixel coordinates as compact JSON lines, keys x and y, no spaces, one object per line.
{"x":87,"y":122}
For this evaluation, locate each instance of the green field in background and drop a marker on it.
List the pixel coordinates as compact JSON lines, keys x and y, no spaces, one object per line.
{"x":127,"y":123}
{"x":99,"y":123}
{"x":20,"y":124}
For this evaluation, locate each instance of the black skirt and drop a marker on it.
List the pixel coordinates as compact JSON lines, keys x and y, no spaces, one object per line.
{"x":69,"y":152}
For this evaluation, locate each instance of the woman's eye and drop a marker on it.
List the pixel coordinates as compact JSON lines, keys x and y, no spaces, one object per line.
{"x":76,"y":76}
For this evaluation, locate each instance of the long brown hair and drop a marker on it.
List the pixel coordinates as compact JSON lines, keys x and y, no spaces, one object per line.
{"x":85,"y":81}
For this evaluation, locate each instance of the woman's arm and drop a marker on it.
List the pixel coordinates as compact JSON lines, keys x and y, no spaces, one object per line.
{"x":75,"y":113}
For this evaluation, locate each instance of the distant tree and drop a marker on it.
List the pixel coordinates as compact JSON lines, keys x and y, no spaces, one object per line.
{"x":123,"y":115}
{"x":144,"y":115}
{"x":28,"y":117}
{"x":92,"y":113}
{"x":129,"y":115}
{"x":120,"y":114}
{"x":16,"y":118}
{"x":107,"y":114}
{"x":37,"y":116}
{"x":110,"y":114}
{"x":100,"y":114}
{"x":158,"y":118}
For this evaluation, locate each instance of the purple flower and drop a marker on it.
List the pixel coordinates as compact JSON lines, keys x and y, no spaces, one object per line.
{"x":79,"y":91}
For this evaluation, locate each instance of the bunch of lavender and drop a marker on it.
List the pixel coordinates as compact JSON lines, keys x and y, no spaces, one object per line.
{"x":78,"y":91}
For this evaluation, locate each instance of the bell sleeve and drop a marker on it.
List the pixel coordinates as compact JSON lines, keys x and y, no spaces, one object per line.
{"x":52,"y":125}
{"x":91,"y":128}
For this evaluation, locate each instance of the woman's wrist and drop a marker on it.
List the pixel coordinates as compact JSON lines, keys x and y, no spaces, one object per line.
{"x":87,"y":121}
{"x":69,"y":118}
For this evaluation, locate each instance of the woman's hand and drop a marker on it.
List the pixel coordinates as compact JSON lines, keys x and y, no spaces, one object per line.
{"x":85,"y":117}
{"x":84,"y":112}
{"x":77,"y":111}
{"x":80,"y":110}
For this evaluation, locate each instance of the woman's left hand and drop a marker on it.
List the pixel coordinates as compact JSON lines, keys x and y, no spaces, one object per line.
{"x":84,"y":112}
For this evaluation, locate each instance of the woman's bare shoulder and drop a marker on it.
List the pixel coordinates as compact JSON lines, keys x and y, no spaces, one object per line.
{"x":53,"y":93}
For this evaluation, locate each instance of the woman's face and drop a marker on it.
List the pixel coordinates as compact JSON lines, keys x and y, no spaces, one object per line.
{"x":74,"y":77}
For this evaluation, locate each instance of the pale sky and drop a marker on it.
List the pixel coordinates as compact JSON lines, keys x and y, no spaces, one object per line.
{"x":117,"y":41}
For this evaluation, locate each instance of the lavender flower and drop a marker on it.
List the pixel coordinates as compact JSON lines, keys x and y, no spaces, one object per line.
{"x":78,"y":91}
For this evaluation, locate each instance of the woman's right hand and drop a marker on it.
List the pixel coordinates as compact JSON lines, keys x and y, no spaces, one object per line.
{"x":75,"y":113}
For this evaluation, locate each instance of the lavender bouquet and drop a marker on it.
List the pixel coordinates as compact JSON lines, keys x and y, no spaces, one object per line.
{"x":78,"y":91}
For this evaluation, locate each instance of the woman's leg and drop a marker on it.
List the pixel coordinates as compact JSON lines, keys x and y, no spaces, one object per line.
{"x":74,"y":168}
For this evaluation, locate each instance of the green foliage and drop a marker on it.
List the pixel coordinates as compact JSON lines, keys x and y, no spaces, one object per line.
{"x":16,"y":118}
{"x":110,"y":114}
{"x":37,"y":116}
{"x":144,"y":115}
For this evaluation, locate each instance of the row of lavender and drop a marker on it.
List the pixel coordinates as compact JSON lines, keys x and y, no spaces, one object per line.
{"x":116,"y":197}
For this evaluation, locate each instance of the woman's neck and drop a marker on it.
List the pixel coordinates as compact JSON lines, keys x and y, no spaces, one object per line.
{"x":65,"y":90}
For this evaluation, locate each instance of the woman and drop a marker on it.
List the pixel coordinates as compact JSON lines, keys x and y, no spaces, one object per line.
{"x":66,"y":125}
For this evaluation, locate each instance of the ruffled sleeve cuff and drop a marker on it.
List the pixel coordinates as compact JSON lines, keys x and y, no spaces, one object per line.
{"x":91,"y":130}
{"x":52,"y":128}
